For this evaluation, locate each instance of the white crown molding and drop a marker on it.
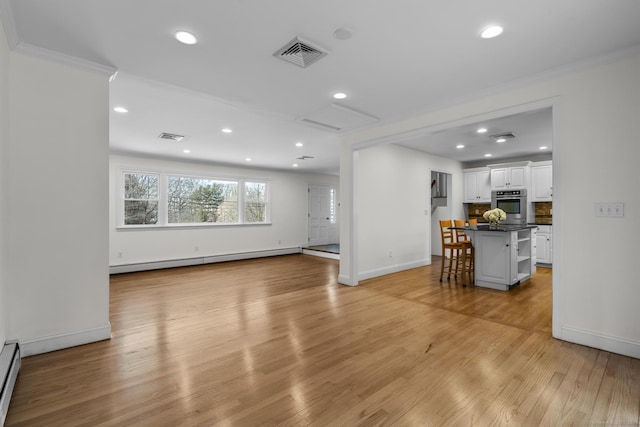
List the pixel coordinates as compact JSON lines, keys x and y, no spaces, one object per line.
{"x":13,"y":39}
{"x":6,"y":16}
{"x":62,"y":58}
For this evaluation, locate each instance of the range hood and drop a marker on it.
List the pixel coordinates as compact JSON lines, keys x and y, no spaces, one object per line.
{"x":438,"y":189}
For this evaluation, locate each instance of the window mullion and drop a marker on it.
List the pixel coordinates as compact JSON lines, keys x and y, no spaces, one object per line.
{"x":241,"y":201}
{"x":163,"y":202}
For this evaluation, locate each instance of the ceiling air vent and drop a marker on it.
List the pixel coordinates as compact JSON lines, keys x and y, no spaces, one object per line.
{"x":300,"y":53}
{"x":171,"y":136}
{"x":503,"y":137}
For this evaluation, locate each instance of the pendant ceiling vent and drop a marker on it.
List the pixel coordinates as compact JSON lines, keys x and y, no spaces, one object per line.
{"x":300,"y":53}
{"x":171,"y":136}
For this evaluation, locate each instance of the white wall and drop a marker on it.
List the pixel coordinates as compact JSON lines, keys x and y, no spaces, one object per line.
{"x":394,"y":202}
{"x":56,"y":204}
{"x":4,"y":137}
{"x":288,"y":226}
{"x":596,"y":113}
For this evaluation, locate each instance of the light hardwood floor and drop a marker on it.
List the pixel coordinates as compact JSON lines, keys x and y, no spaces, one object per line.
{"x":278,"y":342}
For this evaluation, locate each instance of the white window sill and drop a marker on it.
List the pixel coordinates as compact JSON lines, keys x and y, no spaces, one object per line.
{"x":188,"y":226}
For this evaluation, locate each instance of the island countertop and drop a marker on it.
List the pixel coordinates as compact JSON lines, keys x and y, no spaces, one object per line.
{"x":501,"y":227}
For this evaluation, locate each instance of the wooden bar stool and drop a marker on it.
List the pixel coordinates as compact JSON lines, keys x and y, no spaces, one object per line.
{"x":468,"y":251}
{"x":455,"y":249}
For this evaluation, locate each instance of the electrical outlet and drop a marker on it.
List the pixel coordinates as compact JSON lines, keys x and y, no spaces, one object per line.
{"x":390,"y":254}
{"x":196,"y":249}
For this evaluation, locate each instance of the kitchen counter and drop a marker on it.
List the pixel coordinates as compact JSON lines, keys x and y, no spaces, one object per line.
{"x":504,"y":256}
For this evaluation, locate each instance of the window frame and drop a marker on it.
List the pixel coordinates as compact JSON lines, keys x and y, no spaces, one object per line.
{"x":163,"y":199}
{"x":267,"y":199}
{"x":122,"y":198}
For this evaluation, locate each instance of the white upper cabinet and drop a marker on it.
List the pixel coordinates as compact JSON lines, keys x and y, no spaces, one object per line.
{"x":477,"y":185}
{"x":506,"y":177}
{"x":541,"y":182}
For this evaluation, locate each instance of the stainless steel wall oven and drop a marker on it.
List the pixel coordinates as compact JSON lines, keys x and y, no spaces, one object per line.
{"x":513,"y":202}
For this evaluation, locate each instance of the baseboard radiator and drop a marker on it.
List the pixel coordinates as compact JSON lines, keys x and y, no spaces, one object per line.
{"x":9,"y":367}
{"x":185,"y":262}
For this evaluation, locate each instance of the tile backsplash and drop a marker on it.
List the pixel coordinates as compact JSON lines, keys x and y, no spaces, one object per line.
{"x":477,"y":209}
{"x":543,"y":212}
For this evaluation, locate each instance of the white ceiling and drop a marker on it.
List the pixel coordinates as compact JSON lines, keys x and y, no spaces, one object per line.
{"x":405,"y":57}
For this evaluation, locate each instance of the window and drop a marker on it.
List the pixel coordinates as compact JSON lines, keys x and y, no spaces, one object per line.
{"x":255,"y":202}
{"x":165,"y":199}
{"x":140,"y":199}
{"x":333,"y":214}
{"x":198,"y":200}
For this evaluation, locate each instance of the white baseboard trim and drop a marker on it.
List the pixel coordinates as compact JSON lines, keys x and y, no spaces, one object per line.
{"x":393,"y":269}
{"x":344,"y":280}
{"x":157,"y":265}
{"x":65,"y":340}
{"x":9,"y":368}
{"x":600,"y":341}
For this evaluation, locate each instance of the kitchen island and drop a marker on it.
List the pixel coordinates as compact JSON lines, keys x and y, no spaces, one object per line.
{"x":504,"y":256}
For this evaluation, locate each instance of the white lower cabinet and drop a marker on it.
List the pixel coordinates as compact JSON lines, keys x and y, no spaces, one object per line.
{"x":502,"y":258}
{"x":544,"y":245}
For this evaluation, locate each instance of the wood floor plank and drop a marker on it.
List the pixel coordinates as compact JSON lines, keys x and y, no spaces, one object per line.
{"x":277,"y":341}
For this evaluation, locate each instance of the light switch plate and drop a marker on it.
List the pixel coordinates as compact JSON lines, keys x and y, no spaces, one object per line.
{"x":617,"y":210}
{"x":610,"y":210}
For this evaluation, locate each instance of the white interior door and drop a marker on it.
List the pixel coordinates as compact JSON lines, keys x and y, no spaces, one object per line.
{"x":319,"y":215}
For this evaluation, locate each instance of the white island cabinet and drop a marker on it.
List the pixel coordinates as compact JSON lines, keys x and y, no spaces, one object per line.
{"x":503,"y":256}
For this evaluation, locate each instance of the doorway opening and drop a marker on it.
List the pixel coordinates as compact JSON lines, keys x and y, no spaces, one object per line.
{"x":441,"y":206}
{"x":323,"y":230}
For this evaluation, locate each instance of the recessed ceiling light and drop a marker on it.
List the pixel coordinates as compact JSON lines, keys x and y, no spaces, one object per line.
{"x":543,"y":148}
{"x":342,"y":34}
{"x":186,"y":151}
{"x":120,"y":110}
{"x":295,"y":165}
{"x":491,"y":32}
{"x":459,"y":146}
{"x":299,"y":144}
{"x":248,"y":159}
{"x":186,"y":37}
{"x":481,"y":130}
{"x":339,"y":95}
{"x":488,"y":155}
{"x":226,"y":130}
{"x":501,"y":140}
